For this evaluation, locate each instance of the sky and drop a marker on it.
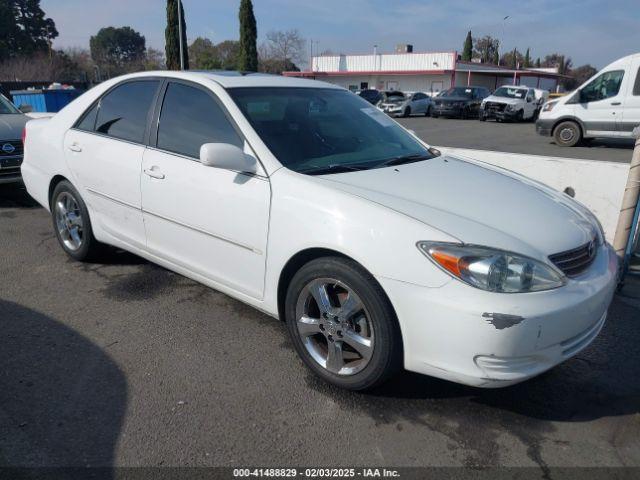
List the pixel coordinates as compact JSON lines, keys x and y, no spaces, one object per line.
{"x":590,"y":31}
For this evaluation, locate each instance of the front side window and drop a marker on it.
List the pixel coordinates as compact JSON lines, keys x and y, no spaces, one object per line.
{"x":123,"y":112}
{"x":317,"y":130}
{"x":190,"y":118}
{"x":636,"y":85}
{"x":604,"y":86}
{"x":6,"y":107}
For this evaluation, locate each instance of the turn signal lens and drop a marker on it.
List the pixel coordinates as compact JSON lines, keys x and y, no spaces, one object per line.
{"x":549,"y":106}
{"x":491,"y":269}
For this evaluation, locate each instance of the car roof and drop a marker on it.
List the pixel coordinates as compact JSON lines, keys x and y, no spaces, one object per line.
{"x":234,"y":79}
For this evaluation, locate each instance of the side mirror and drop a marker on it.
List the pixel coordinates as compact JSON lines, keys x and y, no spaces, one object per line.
{"x":25,"y":108}
{"x":227,"y":156}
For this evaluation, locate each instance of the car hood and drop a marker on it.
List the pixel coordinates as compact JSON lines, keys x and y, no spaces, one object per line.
{"x":11,"y":126}
{"x":508,"y":101}
{"x":476,"y":204}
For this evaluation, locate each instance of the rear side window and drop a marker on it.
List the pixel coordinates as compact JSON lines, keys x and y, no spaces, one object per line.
{"x":636,"y":85}
{"x":190,"y":118}
{"x":124,"y":111}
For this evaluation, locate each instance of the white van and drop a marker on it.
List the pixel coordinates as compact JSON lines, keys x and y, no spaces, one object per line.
{"x":605,"y":106}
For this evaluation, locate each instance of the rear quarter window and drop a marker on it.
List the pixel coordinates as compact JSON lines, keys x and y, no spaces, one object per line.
{"x":636,"y":85}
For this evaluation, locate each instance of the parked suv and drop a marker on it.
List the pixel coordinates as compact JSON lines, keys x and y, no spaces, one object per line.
{"x":607,"y":106}
{"x":12,"y":122}
{"x":404,"y":104}
{"x":460,"y":102}
{"x":510,"y":102}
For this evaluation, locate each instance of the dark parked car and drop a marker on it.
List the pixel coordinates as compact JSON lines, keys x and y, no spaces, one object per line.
{"x":12,"y":122}
{"x":371,"y":96}
{"x":459,"y":102}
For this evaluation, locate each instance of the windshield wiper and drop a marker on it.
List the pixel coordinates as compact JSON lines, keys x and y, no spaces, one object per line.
{"x":416,"y":157}
{"x":334,"y":168}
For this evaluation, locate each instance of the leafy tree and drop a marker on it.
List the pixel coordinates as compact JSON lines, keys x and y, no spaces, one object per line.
{"x":24,"y":29}
{"x":172,"y":33}
{"x":486,"y":48}
{"x":559,"y":61}
{"x":467,"y":49}
{"x":538,"y":64}
{"x":496,"y":57}
{"x":578,"y":75}
{"x":205,"y":55}
{"x":512,"y":59}
{"x":117,"y":50}
{"x":526,"y":63}
{"x":248,"y":56}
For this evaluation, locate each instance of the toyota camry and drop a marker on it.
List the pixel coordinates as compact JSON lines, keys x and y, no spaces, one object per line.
{"x":308,"y":203}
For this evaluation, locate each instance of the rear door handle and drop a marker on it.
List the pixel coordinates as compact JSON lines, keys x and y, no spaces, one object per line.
{"x":154,"y":172}
{"x":616,"y":103}
{"x":74,"y":147}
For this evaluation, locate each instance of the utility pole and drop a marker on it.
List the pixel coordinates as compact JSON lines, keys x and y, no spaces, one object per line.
{"x":179,"y":4}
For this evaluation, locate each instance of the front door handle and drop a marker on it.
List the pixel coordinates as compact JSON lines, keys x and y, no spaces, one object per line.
{"x":74,"y":147}
{"x":154,"y":172}
{"x":616,"y":103}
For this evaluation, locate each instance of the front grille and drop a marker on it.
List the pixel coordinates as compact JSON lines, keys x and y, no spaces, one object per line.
{"x":9,"y":172}
{"x":573,"y":262}
{"x":495,"y":106}
{"x":11,"y":148}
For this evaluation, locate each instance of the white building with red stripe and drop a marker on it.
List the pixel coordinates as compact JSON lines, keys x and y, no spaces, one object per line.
{"x":429,"y":72}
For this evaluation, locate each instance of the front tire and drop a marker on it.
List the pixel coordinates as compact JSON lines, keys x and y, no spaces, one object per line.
{"x":72,"y":225}
{"x":342,"y":324}
{"x":567,"y":134}
{"x":407,"y":112}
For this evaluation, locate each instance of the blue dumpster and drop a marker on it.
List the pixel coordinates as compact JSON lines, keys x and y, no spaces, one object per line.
{"x":44,"y":100}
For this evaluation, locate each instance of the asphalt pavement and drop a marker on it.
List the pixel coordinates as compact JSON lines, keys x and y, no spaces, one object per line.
{"x":123,"y":363}
{"x":512,"y":137}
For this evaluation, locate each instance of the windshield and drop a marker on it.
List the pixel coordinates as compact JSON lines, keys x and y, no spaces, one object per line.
{"x":315,"y":130}
{"x":458,"y":92}
{"x":510,"y":92}
{"x":6,"y":106}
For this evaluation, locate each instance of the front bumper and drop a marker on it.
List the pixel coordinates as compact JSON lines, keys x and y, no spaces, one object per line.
{"x":500,"y":115}
{"x":447,"y":110}
{"x":544,"y":127}
{"x":466,"y":335}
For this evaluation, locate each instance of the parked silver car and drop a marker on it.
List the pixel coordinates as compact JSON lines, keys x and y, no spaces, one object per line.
{"x":12,"y":122}
{"x":399,"y":104}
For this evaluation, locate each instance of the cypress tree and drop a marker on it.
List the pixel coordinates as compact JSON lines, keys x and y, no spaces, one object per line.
{"x":171,"y":33}
{"x":527,"y":59}
{"x":538,"y":62}
{"x":467,"y":50}
{"x":248,"y":56}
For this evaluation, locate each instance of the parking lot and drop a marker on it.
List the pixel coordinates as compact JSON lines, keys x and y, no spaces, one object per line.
{"x":123,"y":363}
{"x":512,"y":137}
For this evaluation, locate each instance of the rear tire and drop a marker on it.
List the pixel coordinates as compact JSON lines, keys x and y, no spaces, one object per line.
{"x":72,"y":225}
{"x":353,"y":310}
{"x":567,"y":134}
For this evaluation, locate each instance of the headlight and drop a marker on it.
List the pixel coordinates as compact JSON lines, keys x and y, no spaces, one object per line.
{"x":511,"y":107}
{"x":549,"y":106}
{"x":491,"y":269}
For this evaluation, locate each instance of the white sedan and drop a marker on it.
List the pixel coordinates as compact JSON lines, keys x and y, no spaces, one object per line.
{"x":306,"y":202}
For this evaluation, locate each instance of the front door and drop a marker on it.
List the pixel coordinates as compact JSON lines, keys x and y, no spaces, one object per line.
{"x":211,"y":221}
{"x":599,"y":104}
{"x":105,"y":151}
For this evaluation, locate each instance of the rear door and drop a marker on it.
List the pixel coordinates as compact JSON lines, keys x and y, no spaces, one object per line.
{"x":104,"y":151}
{"x":631,"y":103}
{"x":212,"y":221}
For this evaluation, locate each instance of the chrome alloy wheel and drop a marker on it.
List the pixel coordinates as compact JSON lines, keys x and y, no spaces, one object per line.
{"x":334,"y":326}
{"x":69,"y":221}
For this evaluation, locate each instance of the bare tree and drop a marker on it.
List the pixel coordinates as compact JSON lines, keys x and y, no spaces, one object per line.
{"x":284,"y":49}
